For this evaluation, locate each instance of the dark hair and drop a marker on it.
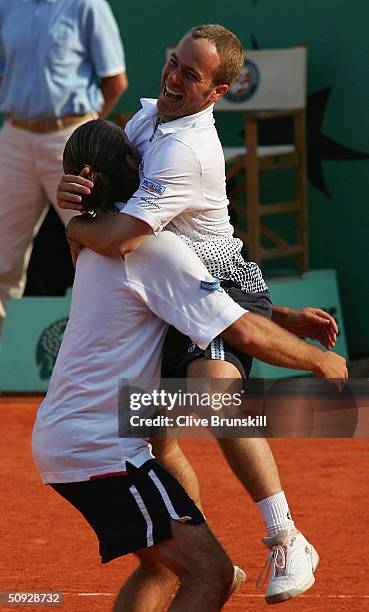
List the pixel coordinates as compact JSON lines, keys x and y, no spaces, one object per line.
{"x":229,"y":48}
{"x":103,"y":147}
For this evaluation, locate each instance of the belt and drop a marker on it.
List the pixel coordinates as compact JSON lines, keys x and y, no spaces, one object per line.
{"x":43,"y":126}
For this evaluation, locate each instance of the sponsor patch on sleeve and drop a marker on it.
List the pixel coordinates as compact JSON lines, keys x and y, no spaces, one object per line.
{"x":211,"y":285}
{"x":152,"y":187}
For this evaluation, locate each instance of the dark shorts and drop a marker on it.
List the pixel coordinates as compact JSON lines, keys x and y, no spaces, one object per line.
{"x":179,"y":350}
{"x":131,"y":512}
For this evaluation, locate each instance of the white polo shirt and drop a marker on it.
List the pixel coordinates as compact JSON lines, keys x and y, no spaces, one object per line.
{"x":183,"y":188}
{"x":116,"y":330}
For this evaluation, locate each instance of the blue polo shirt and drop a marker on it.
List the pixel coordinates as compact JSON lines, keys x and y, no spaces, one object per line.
{"x":52,"y":53}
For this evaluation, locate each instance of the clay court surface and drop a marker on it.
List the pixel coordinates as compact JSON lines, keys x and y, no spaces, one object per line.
{"x":46,"y":545}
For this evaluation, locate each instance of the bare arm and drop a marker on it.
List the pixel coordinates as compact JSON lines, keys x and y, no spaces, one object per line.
{"x":112,"y":236}
{"x":257,"y":336}
{"x":112,"y":89}
{"x":307,"y":322}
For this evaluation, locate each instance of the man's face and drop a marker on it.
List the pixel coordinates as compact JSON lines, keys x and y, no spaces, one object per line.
{"x":187,"y":79}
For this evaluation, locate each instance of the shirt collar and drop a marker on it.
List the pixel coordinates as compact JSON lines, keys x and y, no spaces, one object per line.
{"x":149,"y":106}
{"x":204,"y":116}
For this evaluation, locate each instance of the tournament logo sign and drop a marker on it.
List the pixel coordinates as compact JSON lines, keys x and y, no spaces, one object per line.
{"x":246,"y":83}
{"x":48,"y":347}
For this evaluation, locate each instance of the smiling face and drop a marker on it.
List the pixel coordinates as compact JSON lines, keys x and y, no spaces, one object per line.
{"x":187,"y":82}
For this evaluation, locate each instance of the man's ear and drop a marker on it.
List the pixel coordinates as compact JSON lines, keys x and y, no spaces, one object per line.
{"x":219,"y":92}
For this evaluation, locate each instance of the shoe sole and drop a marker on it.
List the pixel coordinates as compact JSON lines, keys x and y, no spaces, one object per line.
{"x":281,"y":597}
{"x":238,"y":580}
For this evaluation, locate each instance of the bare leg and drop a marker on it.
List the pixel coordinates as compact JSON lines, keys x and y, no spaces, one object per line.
{"x":169,"y":453}
{"x":251,"y":459}
{"x":291,"y":416}
{"x":149,"y":589}
{"x":203,"y":568}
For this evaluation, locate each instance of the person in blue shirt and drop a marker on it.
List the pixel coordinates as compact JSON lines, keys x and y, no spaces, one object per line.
{"x":61,"y":64}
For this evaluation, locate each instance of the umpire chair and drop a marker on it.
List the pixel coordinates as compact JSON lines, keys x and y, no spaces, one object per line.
{"x":272,"y":86}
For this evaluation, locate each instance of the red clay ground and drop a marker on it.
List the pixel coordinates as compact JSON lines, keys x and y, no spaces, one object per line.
{"x":46,"y":545}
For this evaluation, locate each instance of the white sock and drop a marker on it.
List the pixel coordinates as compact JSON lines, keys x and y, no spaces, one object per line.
{"x":276,"y":513}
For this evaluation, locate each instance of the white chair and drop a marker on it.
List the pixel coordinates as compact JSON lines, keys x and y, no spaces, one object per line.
{"x":271,"y":86}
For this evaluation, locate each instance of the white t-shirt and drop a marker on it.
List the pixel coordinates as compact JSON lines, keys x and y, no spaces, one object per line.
{"x":114,"y":332}
{"x":183,"y":188}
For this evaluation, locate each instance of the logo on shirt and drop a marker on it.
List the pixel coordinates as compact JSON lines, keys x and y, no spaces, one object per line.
{"x":152,"y":187}
{"x":149,"y":203}
{"x":211,"y":285}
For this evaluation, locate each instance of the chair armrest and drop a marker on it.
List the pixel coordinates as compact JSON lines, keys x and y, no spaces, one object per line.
{"x":271,"y":114}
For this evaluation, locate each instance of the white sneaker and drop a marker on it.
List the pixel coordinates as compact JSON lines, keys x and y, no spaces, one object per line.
{"x":238,"y":580}
{"x":292,"y":562}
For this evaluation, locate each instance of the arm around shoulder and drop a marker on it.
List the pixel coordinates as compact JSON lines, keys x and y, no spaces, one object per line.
{"x":112,"y":236}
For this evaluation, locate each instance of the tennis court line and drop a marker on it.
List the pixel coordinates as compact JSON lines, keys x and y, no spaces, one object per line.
{"x":249,"y":595}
